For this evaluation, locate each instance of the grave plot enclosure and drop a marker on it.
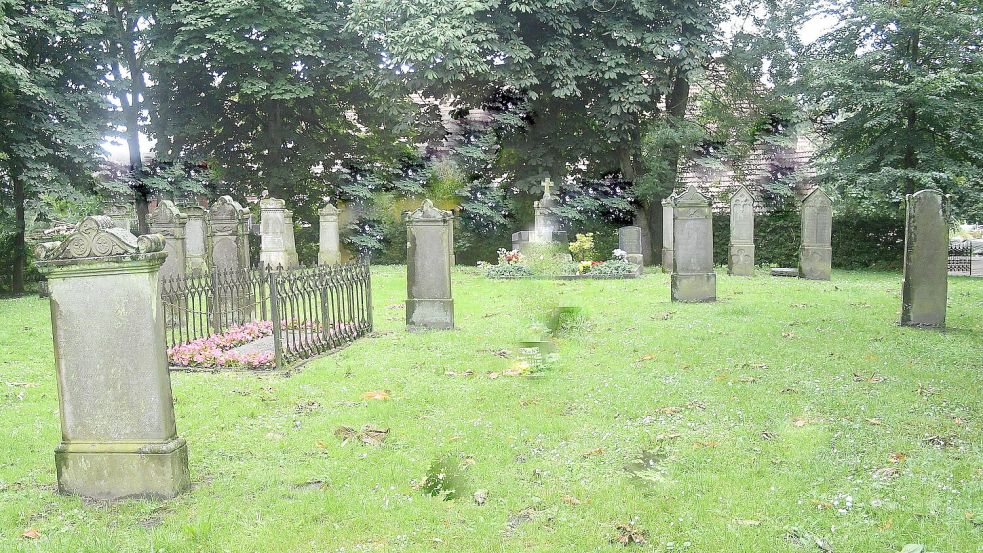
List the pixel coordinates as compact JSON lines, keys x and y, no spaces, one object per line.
{"x":271,"y":318}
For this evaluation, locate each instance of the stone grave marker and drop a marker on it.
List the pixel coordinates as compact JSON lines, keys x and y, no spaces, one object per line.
{"x":429,"y":303}
{"x":693,"y":278}
{"x":926,"y":258}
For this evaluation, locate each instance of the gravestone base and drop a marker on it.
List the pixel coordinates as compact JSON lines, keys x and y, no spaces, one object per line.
{"x":636,"y":258}
{"x":815,"y":262}
{"x":784,"y":272}
{"x":429,"y":314}
{"x":666,"y":260}
{"x":694,"y":288}
{"x":120,"y":470}
{"x":741,"y":260}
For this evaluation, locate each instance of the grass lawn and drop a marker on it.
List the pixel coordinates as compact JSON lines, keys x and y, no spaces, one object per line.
{"x":733,"y":426}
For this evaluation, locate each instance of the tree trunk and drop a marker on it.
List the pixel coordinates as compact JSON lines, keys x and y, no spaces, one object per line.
{"x":20,"y":244}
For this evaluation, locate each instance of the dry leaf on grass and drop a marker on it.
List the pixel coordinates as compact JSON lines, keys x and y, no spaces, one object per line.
{"x":897,"y":457}
{"x":571,"y":500}
{"x":748,"y":522}
{"x":31,"y":534}
{"x":594,"y":452}
{"x":372,"y":435}
{"x":875,"y":422}
{"x":647,"y":358}
{"x":672,"y":410}
{"x":629,"y":534}
{"x":886,"y":473}
{"x":381,"y":395}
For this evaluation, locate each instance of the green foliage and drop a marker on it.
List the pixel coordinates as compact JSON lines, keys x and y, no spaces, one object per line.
{"x":549,"y":259}
{"x":896,"y":87}
{"x":613,"y":267}
{"x":582,"y":248}
{"x":500,"y":270}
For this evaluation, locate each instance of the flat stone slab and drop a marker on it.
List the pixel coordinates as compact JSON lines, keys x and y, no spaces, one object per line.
{"x":784,"y":272}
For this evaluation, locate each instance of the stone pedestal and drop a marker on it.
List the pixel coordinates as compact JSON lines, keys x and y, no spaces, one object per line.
{"x":329,"y":242}
{"x":926,"y":257}
{"x":170,"y":223}
{"x":741,"y":260}
{"x":277,"y":248}
{"x":693,"y":278}
{"x":547,"y":223}
{"x":816,"y":251}
{"x":429,"y":304}
{"x":194,"y":240}
{"x":667,"y":238}
{"x":119,"y":437}
{"x":630,"y":241}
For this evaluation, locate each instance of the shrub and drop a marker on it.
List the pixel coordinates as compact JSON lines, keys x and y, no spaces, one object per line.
{"x":613,"y":267}
{"x":507,"y":270}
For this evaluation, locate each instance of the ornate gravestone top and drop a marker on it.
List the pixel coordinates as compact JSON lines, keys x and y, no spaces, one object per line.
{"x":428,"y":212}
{"x":167,"y":214}
{"x":328,"y":210}
{"x":96,"y":237}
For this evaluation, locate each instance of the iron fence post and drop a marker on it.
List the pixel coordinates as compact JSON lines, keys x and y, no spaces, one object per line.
{"x":277,"y":329}
{"x":368,"y":293}
{"x":215,"y":305}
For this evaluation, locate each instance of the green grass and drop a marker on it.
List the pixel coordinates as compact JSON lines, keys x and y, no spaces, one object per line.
{"x":747,"y":408}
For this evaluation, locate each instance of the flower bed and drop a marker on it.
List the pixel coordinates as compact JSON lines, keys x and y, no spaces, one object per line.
{"x":215,"y":351}
{"x":513,"y":264}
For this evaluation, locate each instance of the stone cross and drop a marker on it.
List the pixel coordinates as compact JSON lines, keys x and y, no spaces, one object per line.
{"x":429,"y":303}
{"x":741,"y":261}
{"x":667,"y":234}
{"x":693,"y":278}
{"x":630,"y":240}
{"x":925,"y":282}
{"x":168,"y":221}
{"x":277,"y":247}
{"x":228,"y":245}
{"x":196,"y":253}
{"x":119,"y":437}
{"x":816,"y":251}
{"x":329,"y":242}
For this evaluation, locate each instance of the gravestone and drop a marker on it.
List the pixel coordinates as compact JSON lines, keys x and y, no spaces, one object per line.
{"x":122,"y":214}
{"x":168,"y":221}
{"x":667,"y":238}
{"x":546,"y":225}
{"x":277,"y":248}
{"x":228,"y":238}
{"x":693,"y":278}
{"x":329,"y":242}
{"x":119,"y":438}
{"x":816,"y":251}
{"x":194,"y":240}
{"x":741,"y":261}
{"x":641,"y":221}
{"x":926,"y":258}
{"x":630,"y":240}
{"x":429,"y":303}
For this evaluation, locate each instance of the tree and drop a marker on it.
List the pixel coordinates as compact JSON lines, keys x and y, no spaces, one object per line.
{"x":897,"y":88}
{"x":52,"y":110}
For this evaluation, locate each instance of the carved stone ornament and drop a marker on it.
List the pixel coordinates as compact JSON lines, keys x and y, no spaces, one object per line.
{"x":226,"y":208}
{"x":167,"y":213}
{"x":328,"y":209}
{"x":691,"y":197}
{"x":427,"y":212}
{"x":96,"y":236}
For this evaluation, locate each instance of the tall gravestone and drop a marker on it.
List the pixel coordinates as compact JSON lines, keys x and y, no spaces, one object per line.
{"x":693,"y":278}
{"x":119,"y":437}
{"x":194,"y":240}
{"x":277,"y":247}
{"x":168,"y":221}
{"x":329,"y":242}
{"x":641,"y":221}
{"x":816,"y":251}
{"x":667,"y":238}
{"x":546,"y":224}
{"x":429,"y":304}
{"x":741,"y":261}
{"x":926,"y":257}
{"x":228,"y":238}
{"x":630,"y":241}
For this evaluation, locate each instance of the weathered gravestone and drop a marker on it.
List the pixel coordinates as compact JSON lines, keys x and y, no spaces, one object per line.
{"x":741,"y":261}
{"x":228,"y":245}
{"x":194,"y":240}
{"x":329,"y":243}
{"x":693,"y":278}
{"x":119,"y":438}
{"x":277,"y":247}
{"x":168,"y":221}
{"x":546,"y":226}
{"x":641,"y":221}
{"x":122,"y":214}
{"x":429,"y":304}
{"x":630,"y":240}
{"x":816,"y":251}
{"x":667,"y":239}
{"x":926,"y":257}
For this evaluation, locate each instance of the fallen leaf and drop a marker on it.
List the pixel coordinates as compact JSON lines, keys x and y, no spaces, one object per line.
{"x":768,"y":435}
{"x":748,"y":522}
{"x":503,"y":353}
{"x":800,"y":422}
{"x":887,"y":524}
{"x":897,"y":457}
{"x":703,"y":444}
{"x":886,"y":473}
{"x":594,"y":452}
{"x":22,"y":384}
{"x":571,"y":500}
{"x":381,"y":395}
{"x":788,"y":335}
{"x":628,"y":534}
{"x":647,"y":358}
{"x":672,"y":410}
{"x":321,"y":445}
{"x":748,"y":379}
{"x":493,"y":375}
{"x":31,"y":534}
{"x":345,"y":433}
{"x":957,"y":420}
{"x":939,"y":441}
{"x":875,"y":422}
{"x":822,"y":505}
{"x":372,"y":435}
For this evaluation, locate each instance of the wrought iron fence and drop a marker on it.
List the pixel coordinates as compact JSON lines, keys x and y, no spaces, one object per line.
{"x":306,"y":310}
{"x":961,"y":259}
